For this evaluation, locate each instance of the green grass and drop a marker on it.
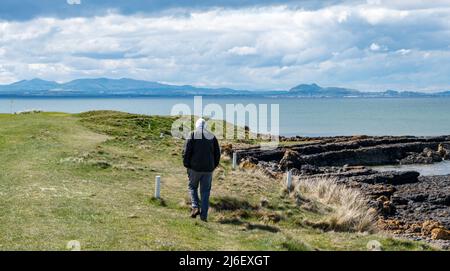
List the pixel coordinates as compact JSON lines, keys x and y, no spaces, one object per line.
{"x":90,"y":177}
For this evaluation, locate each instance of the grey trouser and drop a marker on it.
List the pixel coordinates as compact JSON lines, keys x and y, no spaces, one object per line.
{"x":204,"y":180}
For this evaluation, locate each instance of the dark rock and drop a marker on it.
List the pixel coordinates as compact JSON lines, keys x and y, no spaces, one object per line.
{"x":404,"y":177}
{"x":385,"y":206}
{"x":418,"y":197}
{"x":353,"y":168}
{"x":440,"y":199}
{"x":368,"y":156}
{"x":399,"y":200}
{"x":296,"y":172}
{"x":309,"y":169}
{"x":434,"y":155}
{"x":376,"y":191}
{"x":339,"y":151}
{"x":416,"y":158}
{"x":388,"y":208}
{"x":444,"y":151}
{"x":428,"y":199}
{"x":393,"y":178}
{"x":291,"y":159}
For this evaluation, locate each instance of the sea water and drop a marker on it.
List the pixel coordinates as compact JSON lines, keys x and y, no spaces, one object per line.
{"x":436,"y":169}
{"x":298,"y":116}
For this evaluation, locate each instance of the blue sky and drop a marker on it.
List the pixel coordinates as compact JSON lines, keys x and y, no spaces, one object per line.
{"x":369,"y":45}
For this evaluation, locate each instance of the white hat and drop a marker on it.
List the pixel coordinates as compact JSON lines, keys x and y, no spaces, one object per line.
{"x":200,"y":123}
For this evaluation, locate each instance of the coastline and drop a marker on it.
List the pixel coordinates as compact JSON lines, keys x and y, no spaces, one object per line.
{"x":409,"y":205}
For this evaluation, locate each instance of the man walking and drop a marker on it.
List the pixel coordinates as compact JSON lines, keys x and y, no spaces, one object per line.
{"x":201,"y":155}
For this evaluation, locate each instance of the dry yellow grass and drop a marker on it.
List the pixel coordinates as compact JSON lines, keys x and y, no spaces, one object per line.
{"x":347,"y":207}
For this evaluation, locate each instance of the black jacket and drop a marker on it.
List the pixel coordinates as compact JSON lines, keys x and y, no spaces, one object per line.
{"x":201,"y":151}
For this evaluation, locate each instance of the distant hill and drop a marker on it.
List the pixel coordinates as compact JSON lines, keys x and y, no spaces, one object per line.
{"x":315,"y":90}
{"x":31,"y":85}
{"x":105,"y":87}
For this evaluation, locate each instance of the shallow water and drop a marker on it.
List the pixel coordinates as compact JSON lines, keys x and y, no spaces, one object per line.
{"x":437,"y":169}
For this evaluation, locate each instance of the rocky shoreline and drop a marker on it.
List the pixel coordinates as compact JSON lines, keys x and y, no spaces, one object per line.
{"x":408,"y":204}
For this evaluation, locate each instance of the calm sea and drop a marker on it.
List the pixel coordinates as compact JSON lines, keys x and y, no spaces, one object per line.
{"x":307,"y":117}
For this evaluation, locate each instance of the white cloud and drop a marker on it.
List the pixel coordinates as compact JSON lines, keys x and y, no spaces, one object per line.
{"x":410,"y":4}
{"x":374,"y":2}
{"x":404,"y":51}
{"x":375,"y":47}
{"x":343,"y":16}
{"x":74,"y":2}
{"x":243,"y":51}
{"x":376,"y":16}
{"x":262,"y":48}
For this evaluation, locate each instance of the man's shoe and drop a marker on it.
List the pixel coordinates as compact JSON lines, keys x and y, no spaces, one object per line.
{"x":195,"y":212}
{"x":203,"y":219}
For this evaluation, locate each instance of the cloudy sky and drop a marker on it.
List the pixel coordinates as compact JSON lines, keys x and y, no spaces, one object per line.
{"x":245,"y":44}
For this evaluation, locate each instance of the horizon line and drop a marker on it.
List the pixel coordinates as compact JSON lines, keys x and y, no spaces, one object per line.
{"x":435,"y":91}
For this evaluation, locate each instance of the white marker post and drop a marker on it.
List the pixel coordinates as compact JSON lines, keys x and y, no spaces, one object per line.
{"x":289,"y":179}
{"x":157,"y":187}
{"x":234,"y":160}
